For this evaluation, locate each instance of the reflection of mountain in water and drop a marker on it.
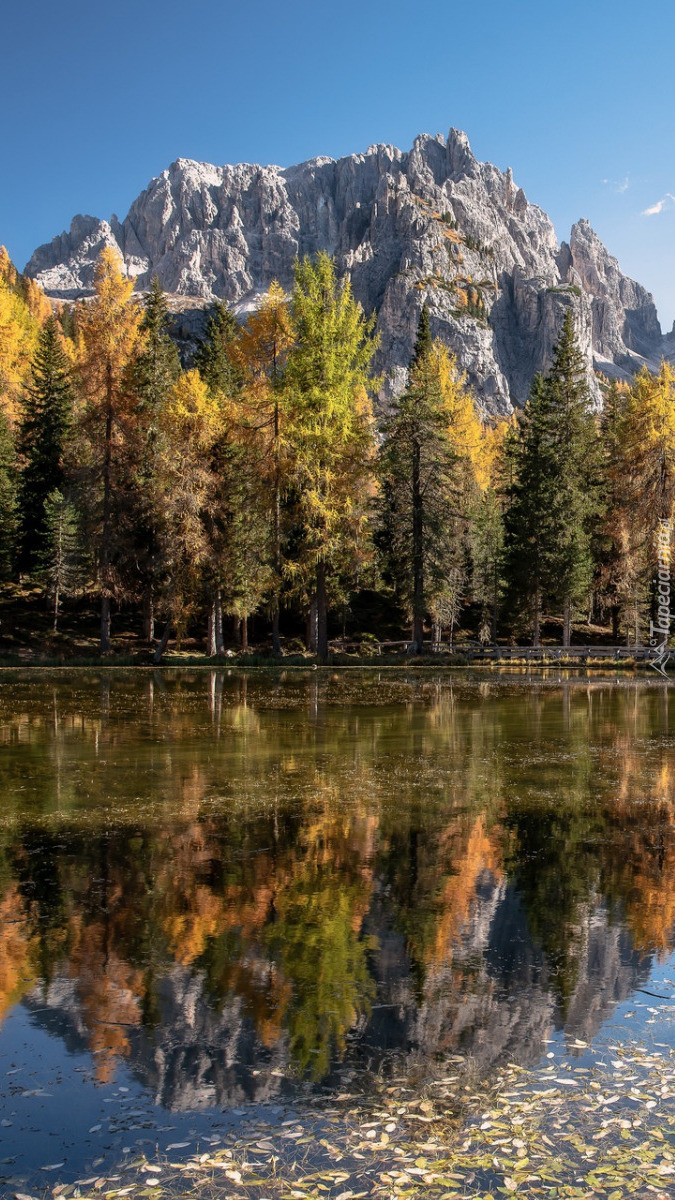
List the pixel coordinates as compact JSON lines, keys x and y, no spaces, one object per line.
{"x":492,"y":1004}
{"x":238,"y":887}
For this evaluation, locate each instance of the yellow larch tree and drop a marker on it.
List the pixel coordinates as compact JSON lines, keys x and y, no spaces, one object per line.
{"x":260,"y":353}
{"x":638,"y":430}
{"x":109,"y":337}
{"x":191,"y":424}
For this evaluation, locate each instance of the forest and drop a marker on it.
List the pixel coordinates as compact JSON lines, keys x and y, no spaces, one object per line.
{"x":262,"y":494}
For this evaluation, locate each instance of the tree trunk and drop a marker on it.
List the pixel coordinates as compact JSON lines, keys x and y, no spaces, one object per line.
{"x":105,"y":624}
{"x":56,"y":608}
{"x":321,"y":611}
{"x":495,"y":604}
{"x":149,"y":614}
{"x":615,"y":622}
{"x":276,"y":637}
{"x":417,"y":555}
{"x":107,"y":531}
{"x":436,"y":636}
{"x":211,"y":631}
{"x":536,"y":623}
{"x":220,"y":640}
{"x":567,"y":623}
{"x":244,"y":633}
{"x":164,"y":641}
{"x":311,"y":639}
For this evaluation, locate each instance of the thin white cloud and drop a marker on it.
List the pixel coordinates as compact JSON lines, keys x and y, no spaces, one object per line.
{"x":665,"y":202}
{"x":618,"y":185}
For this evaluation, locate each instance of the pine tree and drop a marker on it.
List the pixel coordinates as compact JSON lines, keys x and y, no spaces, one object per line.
{"x":487,"y":559}
{"x":421,"y":487}
{"x":8,"y":499}
{"x":47,"y":418}
{"x":578,"y":472}
{"x":330,"y":434}
{"x":241,"y":532}
{"x":152,"y":377}
{"x":555,"y":497}
{"x":214,"y":357}
{"x":59,"y":560}
{"x":531,"y":528}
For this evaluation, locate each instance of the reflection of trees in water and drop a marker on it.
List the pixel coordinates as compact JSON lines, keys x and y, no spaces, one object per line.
{"x":278,"y":843}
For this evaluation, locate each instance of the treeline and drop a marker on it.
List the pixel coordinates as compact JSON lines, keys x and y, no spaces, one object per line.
{"x":259,"y":480}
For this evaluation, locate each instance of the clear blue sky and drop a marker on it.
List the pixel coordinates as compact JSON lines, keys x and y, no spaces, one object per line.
{"x":579,"y":98}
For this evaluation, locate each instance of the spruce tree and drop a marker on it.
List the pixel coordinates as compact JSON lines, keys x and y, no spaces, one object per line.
{"x":47,"y":417}
{"x":578,"y":473}
{"x":60,"y":559}
{"x":531,"y":529}
{"x":151,"y":378}
{"x":214,"y":359}
{"x":487,"y":561}
{"x":8,"y":499}
{"x":554,"y":499}
{"x":157,"y":366}
{"x":421,"y":489}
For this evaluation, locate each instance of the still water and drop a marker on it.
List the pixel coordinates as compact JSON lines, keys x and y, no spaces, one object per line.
{"x":221,"y":891}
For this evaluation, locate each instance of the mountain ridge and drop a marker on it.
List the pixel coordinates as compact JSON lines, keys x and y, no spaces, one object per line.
{"x":431,"y":224}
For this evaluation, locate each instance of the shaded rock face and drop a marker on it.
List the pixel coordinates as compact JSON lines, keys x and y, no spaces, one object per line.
{"x":430,"y":225}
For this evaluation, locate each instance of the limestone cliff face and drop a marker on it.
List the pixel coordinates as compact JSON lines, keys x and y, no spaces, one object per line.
{"x":432,"y":224}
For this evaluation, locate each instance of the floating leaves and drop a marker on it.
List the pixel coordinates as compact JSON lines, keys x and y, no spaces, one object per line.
{"x":534,"y":1133}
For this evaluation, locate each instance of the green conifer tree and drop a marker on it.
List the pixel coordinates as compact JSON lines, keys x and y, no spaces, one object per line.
{"x":578,"y":465}
{"x":152,"y":377}
{"x":555,"y":496}
{"x":8,"y":499}
{"x":60,"y":559}
{"x":47,"y":416}
{"x":420,"y":490}
{"x":214,"y":359}
{"x":530,"y":524}
{"x":487,"y":560}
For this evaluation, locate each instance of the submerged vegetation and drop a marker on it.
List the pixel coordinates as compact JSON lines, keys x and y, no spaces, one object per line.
{"x":256,"y":486}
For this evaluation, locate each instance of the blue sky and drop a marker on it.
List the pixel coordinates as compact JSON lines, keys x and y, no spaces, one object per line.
{"x":577,"y":97}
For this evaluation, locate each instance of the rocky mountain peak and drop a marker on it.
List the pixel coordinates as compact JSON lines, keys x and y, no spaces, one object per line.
{"x":432,"y":224}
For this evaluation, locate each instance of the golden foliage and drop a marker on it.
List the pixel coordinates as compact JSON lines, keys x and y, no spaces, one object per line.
{"x":18,"y":970}
{"x":109,"y":333}
{"x":193,"y":416}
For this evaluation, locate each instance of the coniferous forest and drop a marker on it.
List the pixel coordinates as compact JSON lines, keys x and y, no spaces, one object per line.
{"x":259,"y":496}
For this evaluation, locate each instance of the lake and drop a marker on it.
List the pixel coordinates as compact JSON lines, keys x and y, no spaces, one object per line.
{"x":223,"y":893}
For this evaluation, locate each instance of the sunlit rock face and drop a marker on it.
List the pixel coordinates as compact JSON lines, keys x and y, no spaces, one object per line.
{"x":431,"y":225}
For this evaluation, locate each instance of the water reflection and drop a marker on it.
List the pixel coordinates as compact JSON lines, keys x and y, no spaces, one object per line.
{"x":232,"y":882}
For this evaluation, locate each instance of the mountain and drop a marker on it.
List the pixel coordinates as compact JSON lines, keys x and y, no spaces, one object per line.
{"x":432,"y":224}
